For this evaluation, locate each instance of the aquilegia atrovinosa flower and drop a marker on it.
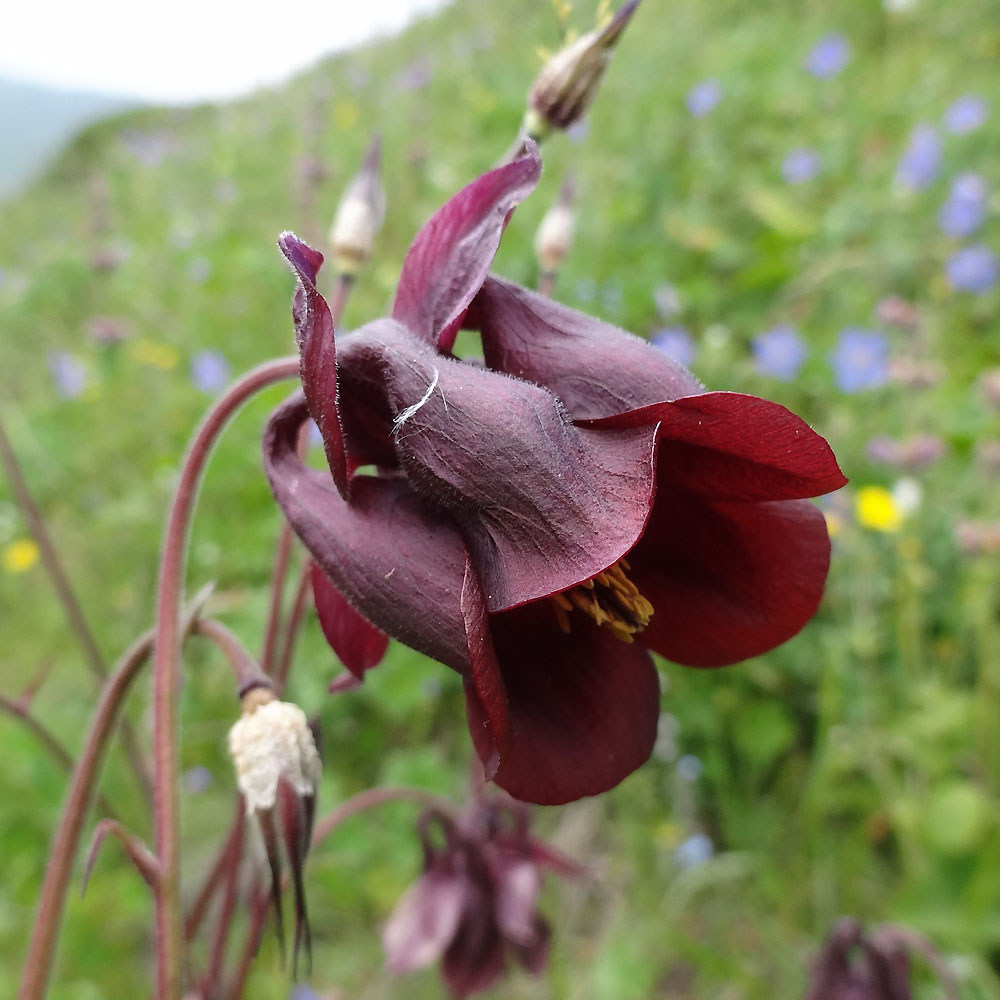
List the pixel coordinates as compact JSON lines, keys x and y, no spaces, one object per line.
{"x":541,"y":521}
{"x":475,"y":904}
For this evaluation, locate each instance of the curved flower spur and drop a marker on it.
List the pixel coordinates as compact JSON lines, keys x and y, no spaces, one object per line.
{"x":540,"y":523}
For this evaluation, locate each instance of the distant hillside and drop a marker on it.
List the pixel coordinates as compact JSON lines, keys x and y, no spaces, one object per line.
{"x":35,"y":121}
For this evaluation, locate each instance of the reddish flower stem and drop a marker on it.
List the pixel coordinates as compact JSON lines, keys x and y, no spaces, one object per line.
{"x":166,"y":667}
{"x":67,"y":597}
{"x":210,"y":981}
{"x":228,"y":861}
{"x":295,"y":617}
{"x":48,"y":918}
{"x":246,"y":670}
{"x":200,"y":906}
{"x":261,"y":904}
{"x":546,"y":283}
{"x":282,"y":553}
{"x":372,"y":797}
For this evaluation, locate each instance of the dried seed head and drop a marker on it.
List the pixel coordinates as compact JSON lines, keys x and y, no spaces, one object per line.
{"x":554,"y":238}
{"x":359,"y":215}
{"x":567,"y":84}
{"x":270,"y":743}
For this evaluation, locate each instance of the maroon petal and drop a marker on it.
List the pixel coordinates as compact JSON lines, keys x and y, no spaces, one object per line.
{"x":451,"y":256}
{"x":728,"y":580}
{"x":580,"y":709}
{"x":542,"y":504}
{"x":359,"y":645}
{"x":729,"y":446}
{"x":594,"y":368}
{"x":425,"y":921}
{"x":314,"y":335}
{"x":476,"y":958}
{"x":400,"y":565}
{"x":534,"y":955}
{"x":518,"y":885}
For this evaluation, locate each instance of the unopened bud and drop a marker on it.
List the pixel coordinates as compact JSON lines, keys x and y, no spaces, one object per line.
{"x":359,"y":215}
{"x":554,"y":238}
{"x":270,"y":743}
{"x":568,"y":82}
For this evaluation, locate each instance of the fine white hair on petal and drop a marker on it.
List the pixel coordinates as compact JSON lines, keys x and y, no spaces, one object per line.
{"x":405,"y":415}
{"x":271,"y":743}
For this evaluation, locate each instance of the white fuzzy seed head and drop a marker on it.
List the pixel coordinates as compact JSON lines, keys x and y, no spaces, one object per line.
{"x":272,"y":741}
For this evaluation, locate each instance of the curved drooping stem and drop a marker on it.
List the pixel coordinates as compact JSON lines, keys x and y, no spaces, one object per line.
{"x":166,"y":665}
{"x":67,"y":596}
{"x":48,"y":918}
{"x":246,"y":670}
{"x":372,"y":797}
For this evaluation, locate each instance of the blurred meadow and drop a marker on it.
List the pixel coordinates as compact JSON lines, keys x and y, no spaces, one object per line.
{"x":799,"y":200}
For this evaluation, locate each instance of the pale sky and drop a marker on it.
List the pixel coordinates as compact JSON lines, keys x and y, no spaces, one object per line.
{"x":184,"y":50}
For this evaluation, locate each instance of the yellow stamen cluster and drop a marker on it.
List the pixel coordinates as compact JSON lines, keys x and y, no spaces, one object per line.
{"x":611,"y":599}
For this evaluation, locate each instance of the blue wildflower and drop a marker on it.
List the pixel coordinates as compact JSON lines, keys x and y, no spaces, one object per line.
{"x":68,"y":373}
{"x":966,"y":114}
{"x":828,"y":56}
{"x":779,"y":352}
{"x":921,"y":160}
{"x":689,"y":767}
{"x":964,"y":211}
{"x":860,"y":360}
{"x":210,"y":371}
{"x":197,"y":779}
{"x":675,"y":342}
{"x":703,"y":97}
{"x":800,"y":165}
{"x":973,"y":269}
{"x":695,"y":851}
{"x":667,"y":299}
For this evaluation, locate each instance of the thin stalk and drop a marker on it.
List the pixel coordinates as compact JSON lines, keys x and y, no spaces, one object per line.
{"x":210,"y":981}
{"x":200,"y":906}
{"x":47,"y":739}
{"x":262,"y":901}
{"x":547,"y":283}
{"x":52,"y":899}
{"x":246,"y":670}
{"x":295,"y":617}
{"x":67,"y":597}
{"x":166,"y":804}
{"x":372,"y":797}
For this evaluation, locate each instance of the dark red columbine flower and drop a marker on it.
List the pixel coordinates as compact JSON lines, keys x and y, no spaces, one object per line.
{"x":855,"y":964}
{"x":533,"y":515}
{"x":476,"y":902}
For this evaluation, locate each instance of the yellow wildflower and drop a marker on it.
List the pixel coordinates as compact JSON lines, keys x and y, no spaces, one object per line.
{"x":876,"y":509}
{"x":20,"y":556}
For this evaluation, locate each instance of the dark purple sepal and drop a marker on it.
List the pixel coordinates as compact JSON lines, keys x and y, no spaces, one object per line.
{"x":426,"y":919}
{"x":314,"y":335}
{"x":452,"y":254}
{"x":581,"y":709}
{"x":594,"y":368}
{"x":384,"y":551}
{"x":357,"y":643}
{"x":542,"y":504}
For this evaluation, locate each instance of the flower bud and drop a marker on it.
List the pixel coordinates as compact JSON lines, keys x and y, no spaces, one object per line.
{"x":554,"y":238}
{"x":272,"y":742}
{"x":359,"y":215}
{"x":567,"y":84}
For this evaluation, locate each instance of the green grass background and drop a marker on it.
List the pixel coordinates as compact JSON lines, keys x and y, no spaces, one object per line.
{"x":854,"y":770}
